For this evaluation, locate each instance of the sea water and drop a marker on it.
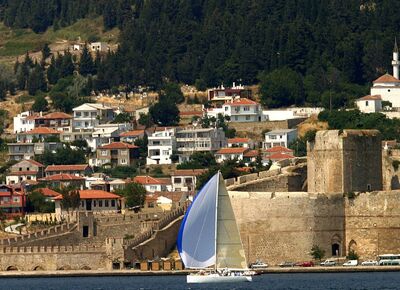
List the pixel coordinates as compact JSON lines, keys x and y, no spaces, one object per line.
{"x":329,"y":281}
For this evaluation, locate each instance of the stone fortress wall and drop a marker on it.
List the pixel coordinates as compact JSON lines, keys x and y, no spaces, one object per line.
{"x":347,"y":206}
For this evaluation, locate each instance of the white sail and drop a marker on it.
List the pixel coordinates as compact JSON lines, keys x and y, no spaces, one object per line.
{"x":230,"y":253}
{"x":196,"y":240}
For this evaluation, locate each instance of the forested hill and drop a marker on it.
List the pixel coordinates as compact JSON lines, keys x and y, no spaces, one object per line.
{"x":330,"y":44}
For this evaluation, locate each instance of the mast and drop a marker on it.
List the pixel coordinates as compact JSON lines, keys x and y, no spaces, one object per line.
{"x":216,"y":222}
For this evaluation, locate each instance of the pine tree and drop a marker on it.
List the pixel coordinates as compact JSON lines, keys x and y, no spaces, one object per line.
{"x":36,"y":80}
{"x":86,"y":65}
{"x":67,"y":66}
{"x":53,"y":73}
{"x":40,"y":104}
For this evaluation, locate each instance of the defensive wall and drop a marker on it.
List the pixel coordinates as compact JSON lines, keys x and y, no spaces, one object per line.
{"x":284,"y":226}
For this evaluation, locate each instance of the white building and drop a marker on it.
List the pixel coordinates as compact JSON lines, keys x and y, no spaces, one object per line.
{"x":241,"y":142}
{"x":238,"y":110}
{"x":152,"y":184}
{"x":24,"y":122}
{"x":104,"y":134}
{"x":369,"y":104}
{"x":98,"y":46}
{"x":192,"y":140}
{"x":230,"y":153}
{"x":185,"y":179}
{"x":388,"y":86}
{"x":222,"y":94}
{"x":281,"y":137}
{"x":88,"y":116}
{"x":161,"y":145}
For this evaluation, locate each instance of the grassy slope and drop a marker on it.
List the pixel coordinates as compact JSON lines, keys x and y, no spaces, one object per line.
{"x":15,"y":42}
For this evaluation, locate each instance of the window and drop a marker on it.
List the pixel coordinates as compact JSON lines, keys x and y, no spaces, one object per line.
{"x":106,"y":203}
{"x":272,"y":137}
{"x":100,"y":203}
{"x":113,"y":203}
{"x":366,"y":103}
{"x":86,"y":114}
{"x":177,"y":180}
{"x":15,"y":199}
{"x":236,"y":118}
{"x":153,"y":187}
{"x":226,"y":108}
{"x":246,"y":108}
{"x":94,"y":203}
{"x":247,"y":118}
{"x":123,"y":161}
{"x":77,"y":114}
{"x":103,"y":152}
{"x":165,"y":152}
{"x":82,"y":204}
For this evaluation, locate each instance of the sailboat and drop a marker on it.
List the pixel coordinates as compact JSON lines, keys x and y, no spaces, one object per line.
{"x":209,"y":239}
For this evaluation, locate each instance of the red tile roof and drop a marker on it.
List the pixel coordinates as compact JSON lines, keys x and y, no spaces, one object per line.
{"x":56,"y":115}
{"x":386,"y":78}
{"x":133,"y":133}
{"x":251,"y":153}
{"x":188,"y":172}
{"x":232,"y":150}
{"x":238,"y":140}
{"x":75,"y":167}
{"x":241,"y":101}
{"x":191,"y":113}
{"x":278,"y":149}
{"x":148,"y":180}
{"x":61,"y":177}
{"x":280,"y":156}
{"x":42,"y":130}
{"x":118,"y":145}
{"x":370,"y":98}
{"x":93,"y":194}
{"x":48,"y":192}
{"x":34,"y":162}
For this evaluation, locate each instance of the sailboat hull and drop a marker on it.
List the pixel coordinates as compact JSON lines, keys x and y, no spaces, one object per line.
{"x":215,"y":278}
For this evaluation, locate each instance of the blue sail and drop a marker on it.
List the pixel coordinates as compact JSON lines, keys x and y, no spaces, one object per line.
{"x":197,"y":234}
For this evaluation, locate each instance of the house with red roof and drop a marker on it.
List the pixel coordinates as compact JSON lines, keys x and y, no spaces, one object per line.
{"x":277,"y":149}
{"x":369,"y":104}
{"x":50,"y":194}
{"x":153,"y":184}
{"x":185,"y":179}
{"x":25,"y":121}
{"x":92,"y":200}
{"x":57,"y":121}
{"x":12,"y":202}
{"x":41,"y":134}
{"x":132,"y":136}
{"x":63,"y":180}
{"x":241,"y":142}
{"x":280,"y":156}
{"x":239,"y":153}
{"x":73,"y":169}
{"x":117,"y":154}
{"x":25,"y":170}
{"x":238,"y":110}
{"x":223,"y":94}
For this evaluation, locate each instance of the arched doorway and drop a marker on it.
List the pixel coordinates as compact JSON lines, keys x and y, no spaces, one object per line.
{"x":12,"y":268}
{"x":336,"y":242}
{"x":335,"y":250}
{"x":352,"y":246}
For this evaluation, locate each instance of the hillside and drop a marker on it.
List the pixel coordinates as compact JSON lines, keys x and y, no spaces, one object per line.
{"x":16,"y":42}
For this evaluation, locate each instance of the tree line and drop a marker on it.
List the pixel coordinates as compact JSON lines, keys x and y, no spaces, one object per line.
{"x":326,"y":52}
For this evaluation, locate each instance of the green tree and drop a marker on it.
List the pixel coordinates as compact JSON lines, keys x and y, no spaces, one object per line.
{"x":122,"y":118}
{"x":299,"y":146}
{"x":352,"y":255}
{"x":37,"y":202}
{"x":145,"y":120}
{"x":86,"y":65}
{"x":198,"y":160}
{"x":36,"y":80}
{"x":46,"y":52}
{"x":63,"y":155}
{"x":40,"y":104}
{"x":71,"y":198}
{"x":173,"y":93}
{"x":282,"y":87}
{"x":165,"y":113}
{"x":317,"y":253}
{"x":134,"y":193}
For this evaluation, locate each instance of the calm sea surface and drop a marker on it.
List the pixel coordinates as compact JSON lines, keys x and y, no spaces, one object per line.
{"x":362,"y":281}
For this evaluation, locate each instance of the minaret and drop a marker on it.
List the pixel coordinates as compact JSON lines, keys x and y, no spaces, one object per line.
{"x":395,"y":61}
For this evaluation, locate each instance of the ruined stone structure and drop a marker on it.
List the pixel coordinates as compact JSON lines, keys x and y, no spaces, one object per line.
{"x":342,"y":162}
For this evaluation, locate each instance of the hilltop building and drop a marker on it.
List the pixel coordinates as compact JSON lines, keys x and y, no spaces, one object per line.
{"x":369,"y":104}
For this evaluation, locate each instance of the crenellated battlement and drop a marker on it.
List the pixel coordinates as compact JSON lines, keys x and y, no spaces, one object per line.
{"x":51,"y":249}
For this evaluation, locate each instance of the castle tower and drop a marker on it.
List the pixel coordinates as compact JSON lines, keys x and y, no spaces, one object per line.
{"x":395,"y":61}
{"x":344,"y":161}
